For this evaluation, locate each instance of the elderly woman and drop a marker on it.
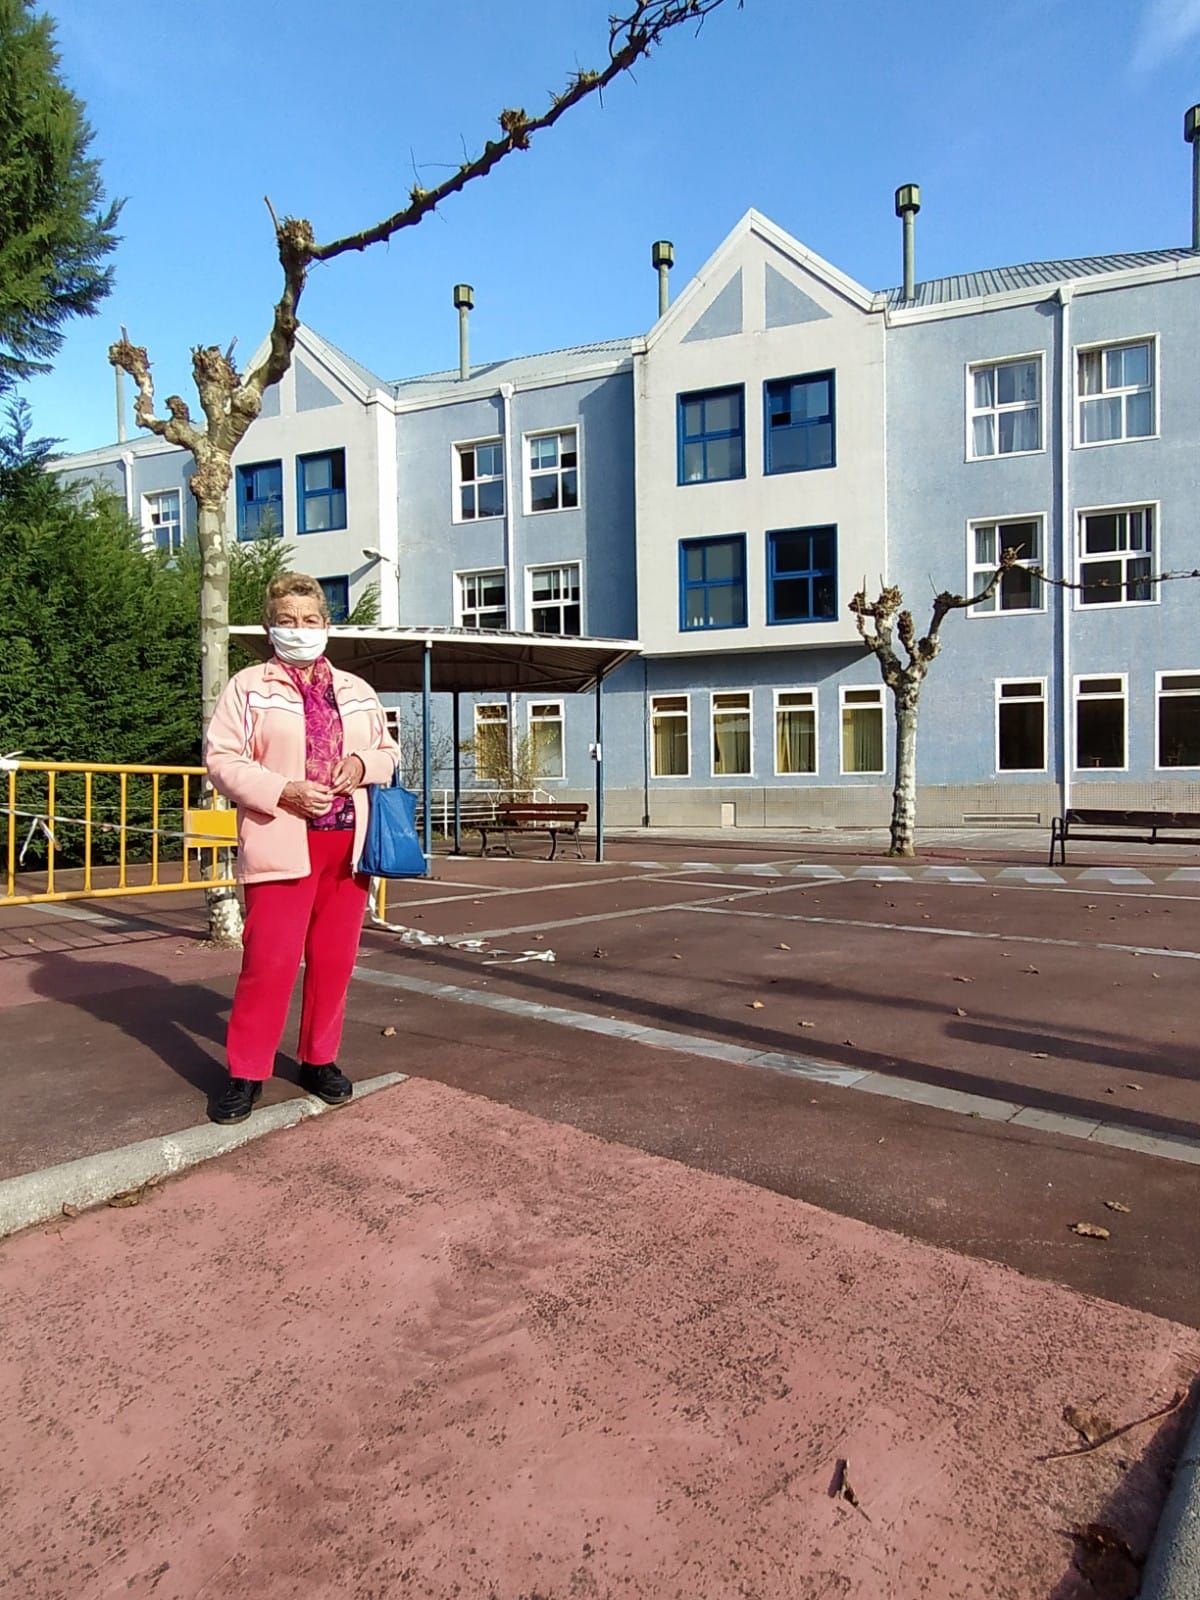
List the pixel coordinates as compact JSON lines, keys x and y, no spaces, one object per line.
{"x":291,"y":743}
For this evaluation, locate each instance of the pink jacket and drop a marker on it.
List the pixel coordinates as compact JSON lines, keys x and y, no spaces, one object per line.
{"x":255,"y":745}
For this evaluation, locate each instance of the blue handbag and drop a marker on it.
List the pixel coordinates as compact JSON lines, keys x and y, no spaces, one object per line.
{"x":391,"y":848}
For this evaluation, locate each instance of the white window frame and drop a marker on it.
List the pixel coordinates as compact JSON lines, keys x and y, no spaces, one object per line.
{"x":1084,"y":677}
{"x":527,"y":474}
{"x":1082,"y":350}
{"x":796,"y":688}
{"x":861,"y":688}
{"x":1024,"y":699}
{"x":1156,"y":561}
{"x":149,"y":527}
{"x":1170,"y":694}
{"x":459,"y":483}
{"x":543,"y":566}
{"x":686,"y":714}
{"x":479,"y":572}
{"x":561,"y":719}
{"x":713,"y":696}
{"x":976,"y":575}
{"x":971,"y":410}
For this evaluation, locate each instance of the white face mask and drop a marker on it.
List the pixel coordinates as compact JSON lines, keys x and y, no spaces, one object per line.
{"x":298,"y":646}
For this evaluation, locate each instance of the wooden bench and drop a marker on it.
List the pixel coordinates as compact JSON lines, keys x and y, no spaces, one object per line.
{"x":556,"y":820}
{"x":1139,"y":827}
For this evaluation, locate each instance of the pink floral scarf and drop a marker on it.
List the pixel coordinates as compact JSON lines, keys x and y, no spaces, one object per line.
{"x":322,"y":738}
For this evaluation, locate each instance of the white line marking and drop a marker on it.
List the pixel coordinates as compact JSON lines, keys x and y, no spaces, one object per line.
{"x":1173,"y":1147}
{"x":78,"y":914}
{"x":1029,"y":875}
{"x":1113,"y":875}
{"x":949,"y":933}
{"x":883,"y":874}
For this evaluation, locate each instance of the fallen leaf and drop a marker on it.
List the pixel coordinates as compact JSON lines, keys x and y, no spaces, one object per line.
{"x":842,"y":1489}
{"x":1087,"y":1425}
{"x":130,"y":1197}
{"x":1041,"y":1055}
{"x":960,"y":979}
{"x":1090,"y":1230}
{"x":783,"y":947}
{"x":69,"y":1210}
{"x":1029,"y":969}
{"x":1117,"y":1205}
{"x":756,"y":1005}
{"x":959,"y":1012}
{"x":389,"y":1032}
{"x":1136,"y":1087}
{"x":676,"y":957}
{"x":850,"y":1042}
{"x":598,"y":954}
{"x":1155,"y":974}
{"x":808,"y":1024}
{"x":1110,"y":1091}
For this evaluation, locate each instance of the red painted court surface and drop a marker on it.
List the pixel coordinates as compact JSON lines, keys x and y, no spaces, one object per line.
{"x":435,"y":1347}
{"x":510,"y":1330}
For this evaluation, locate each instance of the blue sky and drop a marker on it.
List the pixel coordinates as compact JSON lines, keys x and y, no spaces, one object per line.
{"x":1036,"y":129}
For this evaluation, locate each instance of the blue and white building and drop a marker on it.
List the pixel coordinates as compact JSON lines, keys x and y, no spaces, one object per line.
{"x":719,"y":487}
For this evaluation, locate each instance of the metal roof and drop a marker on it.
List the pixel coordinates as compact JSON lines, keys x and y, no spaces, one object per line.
{"x":469,"y":660}
{"x":1008,"y":280}
{"x":518,"y":369}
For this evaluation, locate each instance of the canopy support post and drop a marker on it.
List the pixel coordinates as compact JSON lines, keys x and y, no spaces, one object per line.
{"x":427,"y":751}
{"x":457,"y":777}
{"x":599,"y":754}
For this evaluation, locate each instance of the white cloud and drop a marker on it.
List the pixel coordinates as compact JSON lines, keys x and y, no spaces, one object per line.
{"x":1167,"y":26}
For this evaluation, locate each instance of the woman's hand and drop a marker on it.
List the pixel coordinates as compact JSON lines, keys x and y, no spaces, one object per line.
{"x":304,"y":799}
{"x":348,"y":774}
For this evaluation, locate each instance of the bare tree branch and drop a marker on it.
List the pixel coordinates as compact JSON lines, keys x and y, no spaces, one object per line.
{"x":1113,"y":583}
{"x":177,"y":428}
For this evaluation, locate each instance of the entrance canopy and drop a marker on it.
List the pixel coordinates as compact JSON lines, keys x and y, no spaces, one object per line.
{"x":465,"y":660}
{"x":457,"y":661}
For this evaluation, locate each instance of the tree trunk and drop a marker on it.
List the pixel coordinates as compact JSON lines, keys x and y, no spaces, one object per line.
{"x":904,"y":795}
{"x":224,"y":909}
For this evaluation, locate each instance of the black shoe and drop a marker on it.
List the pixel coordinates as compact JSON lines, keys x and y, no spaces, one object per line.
{"x":327,"y":1083}
{"x":236,"y":1101}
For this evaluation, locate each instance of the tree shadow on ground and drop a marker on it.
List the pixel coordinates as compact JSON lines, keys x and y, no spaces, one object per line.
{"x":546,"y":986}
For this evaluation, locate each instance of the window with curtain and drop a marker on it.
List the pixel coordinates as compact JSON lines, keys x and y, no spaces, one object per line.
{"x":164,"y":520}
{"x":480,"y":480}
{"x":795,"y":731}
{"x":482,"y":601}
{"x":260,"y":500}
{"x":546,"y":738}
{"x":731,"y":735}
{"x":492,"y":755}
{"x":1116,"y":557}
{"x":1018,"y":589}
{"x":1116,"y":393}
{"x":1005,"y":400}
{"x":862,"y":730}
{"x":669,"y":740}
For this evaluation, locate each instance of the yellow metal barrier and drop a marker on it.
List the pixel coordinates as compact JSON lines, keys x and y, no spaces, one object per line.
{"x":105,"y":830}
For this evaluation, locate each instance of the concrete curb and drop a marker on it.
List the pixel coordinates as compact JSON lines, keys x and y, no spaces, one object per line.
{"x":1173,"y":1567}
{"x":34,"y":1197}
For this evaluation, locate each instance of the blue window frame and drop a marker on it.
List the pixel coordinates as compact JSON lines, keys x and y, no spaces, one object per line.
{"x":802,"y":575}
{"x":337,"y":597}
{"x":321,"y":491}
{"x":799,"y":434}
{"x":712,"y":583}
{"x":260,"y":500}
{"x":712,"y":435}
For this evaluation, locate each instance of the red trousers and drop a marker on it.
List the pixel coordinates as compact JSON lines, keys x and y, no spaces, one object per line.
{"x":318,"y":918}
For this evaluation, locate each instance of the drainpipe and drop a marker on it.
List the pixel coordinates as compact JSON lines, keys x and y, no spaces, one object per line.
{"x":1191,"y":132}
{"x":127,"y":475}
{"x":908,"y":203}
{"x":1066,"y":544}
{"x":662,"y":259}
{"x":510,"y":556}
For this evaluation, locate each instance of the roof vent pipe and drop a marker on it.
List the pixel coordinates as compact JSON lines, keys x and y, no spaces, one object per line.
{"x":1191,"y":132}
{"x":662,"y":259}
{"x":464,"y":300}
{"x":908,"y":203}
